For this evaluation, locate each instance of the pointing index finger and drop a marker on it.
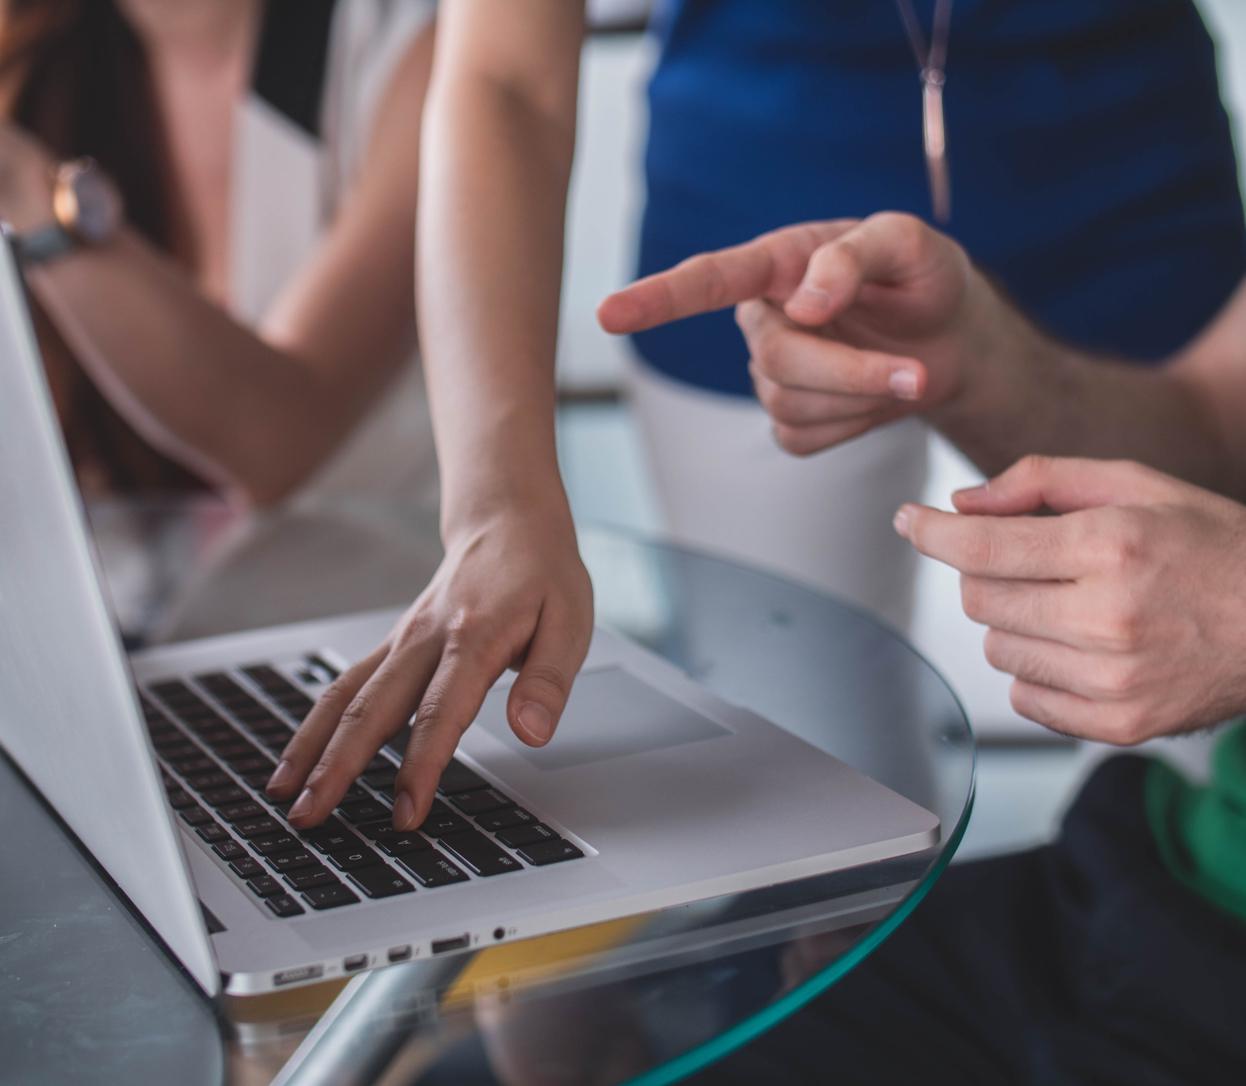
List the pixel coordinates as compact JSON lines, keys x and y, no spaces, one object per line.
{"x":770,"y":266}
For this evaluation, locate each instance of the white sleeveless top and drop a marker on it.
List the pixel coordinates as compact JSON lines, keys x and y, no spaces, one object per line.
{"x":321,"y":69}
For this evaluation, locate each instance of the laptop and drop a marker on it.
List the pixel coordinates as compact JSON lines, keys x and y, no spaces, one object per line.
{"x":653,"y":793}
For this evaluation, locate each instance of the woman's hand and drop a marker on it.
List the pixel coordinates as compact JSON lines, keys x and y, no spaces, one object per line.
{"x":851,"y":324}
{"x":511,"y":592}
{"x":1122,"y":617}
{"x":25,"y":180}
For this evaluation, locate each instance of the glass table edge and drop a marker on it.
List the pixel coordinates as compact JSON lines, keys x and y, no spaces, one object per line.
{"x":704,"y":1055}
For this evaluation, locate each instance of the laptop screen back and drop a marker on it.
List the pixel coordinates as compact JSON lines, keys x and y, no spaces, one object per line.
{"x":68,"y":713}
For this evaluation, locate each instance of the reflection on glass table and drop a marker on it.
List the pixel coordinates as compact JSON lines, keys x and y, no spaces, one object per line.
{"x":645,"y":998}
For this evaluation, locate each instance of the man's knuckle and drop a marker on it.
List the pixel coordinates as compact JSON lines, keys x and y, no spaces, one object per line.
{"x":973,"y":598}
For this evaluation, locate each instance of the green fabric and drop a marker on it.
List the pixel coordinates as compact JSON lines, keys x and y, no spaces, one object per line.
{"x":1201,"y":829}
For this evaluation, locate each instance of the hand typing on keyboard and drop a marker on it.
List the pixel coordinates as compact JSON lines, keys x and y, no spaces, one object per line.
{"x":511,"y":591}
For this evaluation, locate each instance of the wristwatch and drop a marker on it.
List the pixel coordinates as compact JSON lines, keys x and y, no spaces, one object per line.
{"x":86,"y":209}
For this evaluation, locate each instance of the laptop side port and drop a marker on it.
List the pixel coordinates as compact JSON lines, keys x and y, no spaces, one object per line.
{"x":301,"y":973}
{"x":399,"y":953}
{"x":355,"y":962}
{"x":458,"y":942}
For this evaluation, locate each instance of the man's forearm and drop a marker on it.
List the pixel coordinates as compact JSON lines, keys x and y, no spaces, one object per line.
{"x":1027,"y":393}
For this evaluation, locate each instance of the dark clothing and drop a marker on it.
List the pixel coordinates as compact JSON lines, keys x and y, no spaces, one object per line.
{"x":1092,"y":166}
{"x":1081,"y":962}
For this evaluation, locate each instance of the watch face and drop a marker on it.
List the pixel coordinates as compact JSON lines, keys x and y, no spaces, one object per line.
{"x":88,"y":204}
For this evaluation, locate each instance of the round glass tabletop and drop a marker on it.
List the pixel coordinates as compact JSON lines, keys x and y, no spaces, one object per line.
{"x":646,"y":999}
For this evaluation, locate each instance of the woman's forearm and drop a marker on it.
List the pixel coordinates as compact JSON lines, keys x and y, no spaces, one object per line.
{"x":496,"y":164}
{"x":195,"y":383}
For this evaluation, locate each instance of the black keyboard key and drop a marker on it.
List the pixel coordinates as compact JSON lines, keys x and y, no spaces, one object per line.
{"x":172,"y":690}
{"x":207,"y":781}
{"x":223,"y":797}
{"x":381,"y":779}
{"x":265,"y":886}
{"x":475,"y":803}
{"x":236,"y":750}
{"x":276,"y":844}
{"x":326,"y":669}
{"x":296,"y":703}
{"x":265,"y":677}
{"x":240,"y":812}
{"x":192,"y":764}
{"x":336,"y":840}
{"x":441,"y":820}
{"x":311,"y":878}
{"x":432,"y":869}
{"x":394,"y":842}
{"x":403,"y":843}
{"x":457,"y":777}
{"x":378,"y":763}
{"x":258,"y":779}
{"x":380,"y":881}
{"x":253,"y":763}
{"x":364,"y":810}
{"x":479,"y":853}
{"x":179,"y":799}
{"x":352,"y":858}
{"x":258,"y":827}
{"x":284,"y":905}
{"x":246,"y":868}
{"x":549,"y":852}
{"x":212,"y":833}
{"x":292,"y":861}
{"x":229,"y":850}
{"x":517,"y":836}
{"x":329,"y":897}
{"x":194,"y":816}
{"x":504,"y":818}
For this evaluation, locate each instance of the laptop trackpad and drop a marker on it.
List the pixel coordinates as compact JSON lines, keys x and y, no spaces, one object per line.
{"x":611,"y":714}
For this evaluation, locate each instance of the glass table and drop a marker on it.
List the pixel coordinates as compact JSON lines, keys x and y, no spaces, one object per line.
{"x":648,"y":999}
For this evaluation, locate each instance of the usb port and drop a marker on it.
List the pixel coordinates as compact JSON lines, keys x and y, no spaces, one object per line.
{"x":354,"y":963}
{"x":459,"y":942}
{"x":399,"y":953}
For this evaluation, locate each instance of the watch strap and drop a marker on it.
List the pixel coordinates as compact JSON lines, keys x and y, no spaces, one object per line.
{"x":44,"y":244}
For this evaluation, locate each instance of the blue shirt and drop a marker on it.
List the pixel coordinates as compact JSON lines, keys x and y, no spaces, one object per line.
{"x":1092,"y":167}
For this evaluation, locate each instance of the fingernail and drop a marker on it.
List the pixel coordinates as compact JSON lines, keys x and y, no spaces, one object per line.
{"x":901,"y":521}
{"x":903,"y":384}
{"x":404,"y":812}
{"x":811,"y":298}
{"x":535,"y":720}
{"x":281,"y":776}
{"x":302,"y":805}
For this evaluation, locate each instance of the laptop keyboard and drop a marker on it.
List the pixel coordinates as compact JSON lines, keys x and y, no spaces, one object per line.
{"x":218,"y":737}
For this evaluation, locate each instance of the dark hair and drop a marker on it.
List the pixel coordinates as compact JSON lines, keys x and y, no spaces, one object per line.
{"x":75,"y":76}
{"x":83,"y":87}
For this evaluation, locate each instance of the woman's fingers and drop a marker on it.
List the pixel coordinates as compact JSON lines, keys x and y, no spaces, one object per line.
{"x":313,"y":735}
{"x":539,"y":694}
{"x":380,"y":708}
{"x":451,"y":702}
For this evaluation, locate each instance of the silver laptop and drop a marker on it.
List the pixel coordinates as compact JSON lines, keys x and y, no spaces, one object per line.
{"x":653,"y":793}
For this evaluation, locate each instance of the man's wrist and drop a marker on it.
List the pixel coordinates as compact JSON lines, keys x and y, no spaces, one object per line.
{"x":1001,"y":348}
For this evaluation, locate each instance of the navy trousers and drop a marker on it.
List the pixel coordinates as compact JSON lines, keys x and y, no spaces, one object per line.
{"x":1080,"y":962}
